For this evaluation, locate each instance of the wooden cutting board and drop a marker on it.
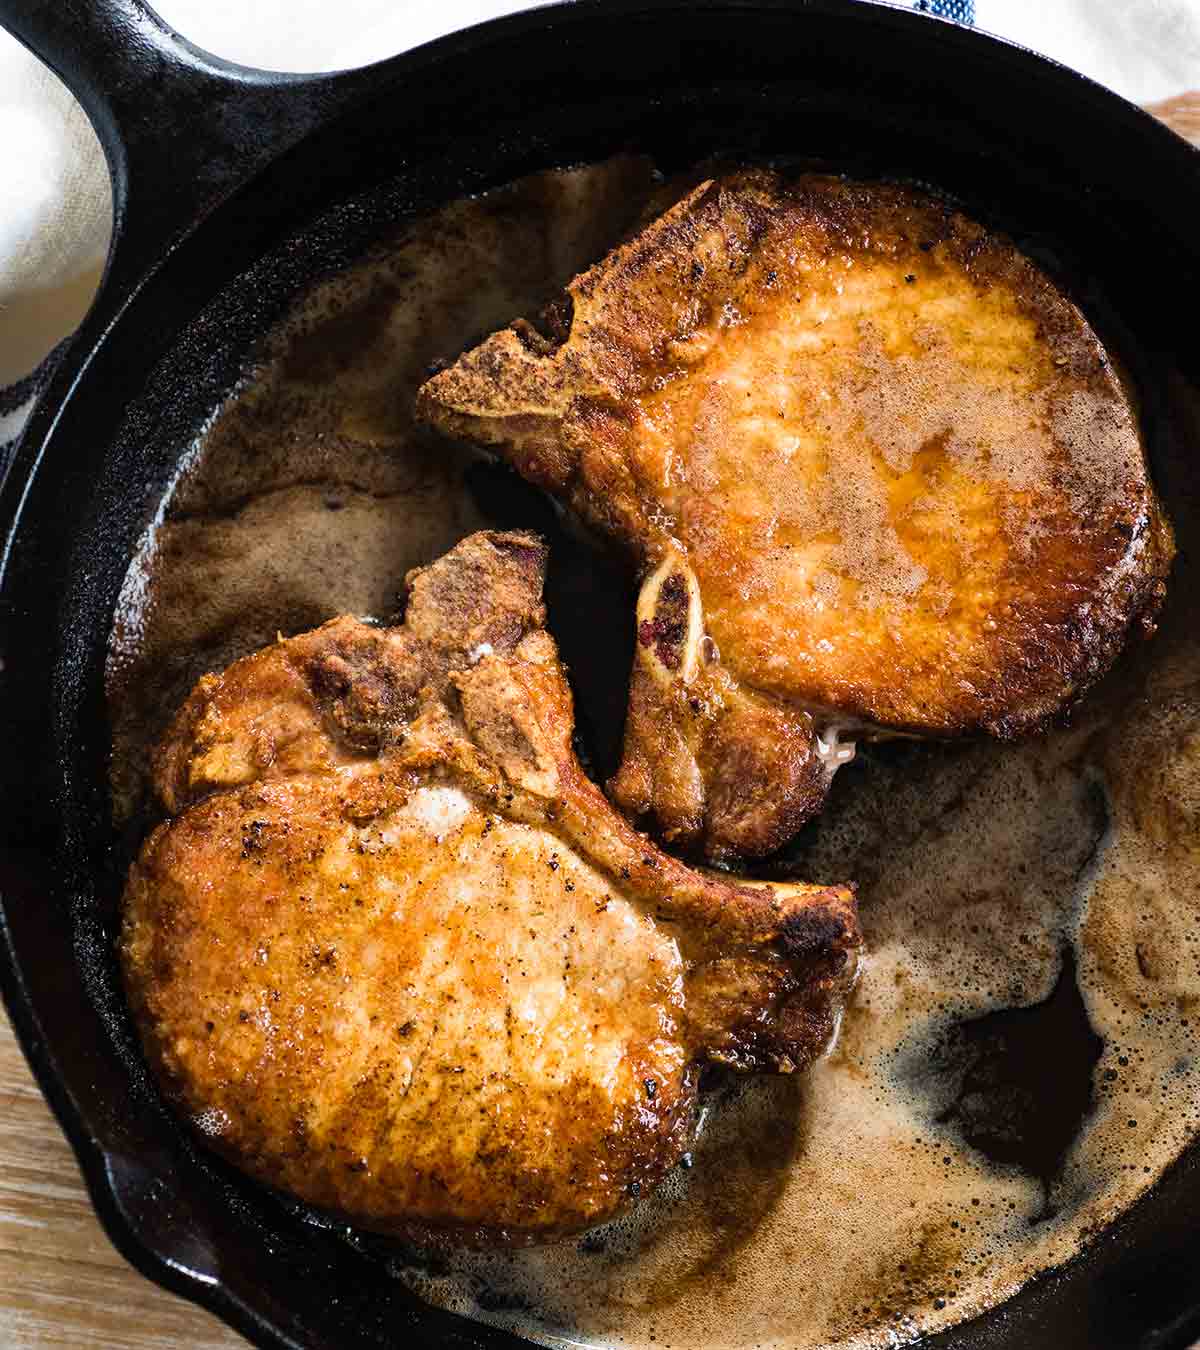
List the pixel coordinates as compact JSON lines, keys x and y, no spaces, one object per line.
{"x":62,"y":1283}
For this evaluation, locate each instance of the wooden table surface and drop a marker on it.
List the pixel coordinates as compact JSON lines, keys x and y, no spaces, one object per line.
{"x":62,"y":1284}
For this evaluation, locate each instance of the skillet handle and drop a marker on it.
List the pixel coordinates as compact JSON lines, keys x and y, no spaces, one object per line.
{"x":181,"y":128}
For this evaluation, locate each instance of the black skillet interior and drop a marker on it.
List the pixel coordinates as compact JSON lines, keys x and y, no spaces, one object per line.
{"x":1083,"y":179}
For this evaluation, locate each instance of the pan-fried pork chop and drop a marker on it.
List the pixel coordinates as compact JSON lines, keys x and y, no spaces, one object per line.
{"x":393,"y":952}
{"x":878,"y":472}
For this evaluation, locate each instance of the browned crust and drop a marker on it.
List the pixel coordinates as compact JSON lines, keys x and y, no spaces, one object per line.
{"x":732,"y":772}
{"x":569,"y":418}
{"x":239,"y":943}
{"x":346,"y":690}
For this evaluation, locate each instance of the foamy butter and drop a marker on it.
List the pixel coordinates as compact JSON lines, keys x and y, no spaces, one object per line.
{"x":861,"y":1204}
{"x":848,"y":1210}
{"x":982,"y":870}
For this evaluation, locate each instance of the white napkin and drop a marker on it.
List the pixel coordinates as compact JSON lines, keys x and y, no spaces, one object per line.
{"x":56,"y":215}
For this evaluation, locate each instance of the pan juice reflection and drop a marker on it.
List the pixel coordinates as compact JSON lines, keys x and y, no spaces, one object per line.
{"x":1017,"y":1083}
{"x":927,"y":1181}
{"x":1034,"y":897}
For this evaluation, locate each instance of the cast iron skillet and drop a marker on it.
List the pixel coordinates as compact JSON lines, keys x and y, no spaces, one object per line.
{"x":233,"y":188}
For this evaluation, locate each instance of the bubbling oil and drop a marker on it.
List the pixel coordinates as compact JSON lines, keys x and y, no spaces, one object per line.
{"x":1019,"y":1061}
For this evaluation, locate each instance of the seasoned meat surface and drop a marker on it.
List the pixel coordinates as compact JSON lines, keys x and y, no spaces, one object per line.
{"x":394,"y":953}
{"x":879,"y":473}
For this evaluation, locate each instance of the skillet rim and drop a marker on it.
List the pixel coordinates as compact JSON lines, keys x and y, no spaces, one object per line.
{"x":38,"y":444}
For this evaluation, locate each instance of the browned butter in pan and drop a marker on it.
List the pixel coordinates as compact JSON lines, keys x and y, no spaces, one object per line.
{"x":1019,"y":1062}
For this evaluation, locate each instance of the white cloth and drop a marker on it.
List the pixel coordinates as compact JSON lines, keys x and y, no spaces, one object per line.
{"x":56,"y":212}
{"x":1147,"y":50}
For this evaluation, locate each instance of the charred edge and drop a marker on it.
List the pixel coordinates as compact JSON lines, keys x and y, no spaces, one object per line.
{"x":361,"y":698}
{"x":527,"y":551}
{"x":545,"y":332}
{"x":816,"y":932}
{"x":329,"y":675}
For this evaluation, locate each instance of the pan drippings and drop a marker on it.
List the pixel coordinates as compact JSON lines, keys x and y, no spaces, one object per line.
{"x":1019,"y":1062}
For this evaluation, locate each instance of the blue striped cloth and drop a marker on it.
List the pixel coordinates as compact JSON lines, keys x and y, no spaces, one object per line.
{"x":962,"y":11}
{"x":17,"y":400}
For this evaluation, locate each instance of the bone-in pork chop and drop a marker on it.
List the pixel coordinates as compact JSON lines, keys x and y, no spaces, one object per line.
{"x":394,"y":953}
{"x":879,"y":473}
